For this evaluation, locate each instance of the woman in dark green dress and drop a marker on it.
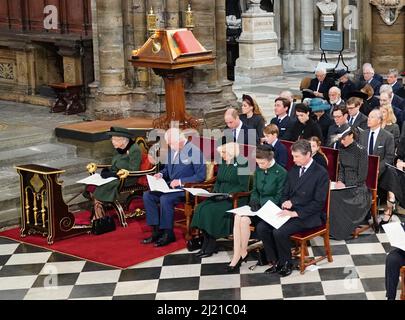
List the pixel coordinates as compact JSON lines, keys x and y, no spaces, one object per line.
{"x":127,"y":157}
{"x":211,"y":216}
{"x":268,"y":184}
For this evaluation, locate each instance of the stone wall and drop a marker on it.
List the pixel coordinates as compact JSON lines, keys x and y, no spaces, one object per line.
{"x":388,"y":43}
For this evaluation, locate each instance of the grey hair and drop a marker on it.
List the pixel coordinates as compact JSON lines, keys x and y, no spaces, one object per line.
{"x":336,"y":89}
{"x":320,"y":70}
{"x":387,"y":89}
{"x":302,"y":146}
{"x":378,"y":113}
{"x":394,"y":72}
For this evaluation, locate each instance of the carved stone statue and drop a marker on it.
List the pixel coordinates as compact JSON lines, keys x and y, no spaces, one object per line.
{"x":389,"y":9}
{"x":327,"y":7}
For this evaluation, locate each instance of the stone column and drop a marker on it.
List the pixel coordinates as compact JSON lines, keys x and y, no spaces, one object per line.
{"x":307,"y":25}
{"x":220,"y":28}
{"x":291,"y":25}
{"x":111,"y":46}
{"x":258,"y":48}
{"x":172,"y":14}
{"x":95,"y":40}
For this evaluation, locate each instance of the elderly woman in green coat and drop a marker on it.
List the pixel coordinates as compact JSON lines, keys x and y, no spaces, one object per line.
{"x":211,"y":216}
{"x":126,"y":157}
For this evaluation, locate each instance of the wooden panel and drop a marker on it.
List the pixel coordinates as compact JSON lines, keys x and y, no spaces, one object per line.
{"x":15,"y":14}
{"x":74,"y":16}
{"x":4,"y":21}
{"x":35,"y":14}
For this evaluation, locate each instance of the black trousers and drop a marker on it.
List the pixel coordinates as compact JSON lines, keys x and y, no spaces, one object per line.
{"x":395,"y":260}
{"x":277,"y":243}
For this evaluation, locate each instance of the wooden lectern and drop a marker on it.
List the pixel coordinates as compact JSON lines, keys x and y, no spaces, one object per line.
{"x":43,"y":210}
{"x":163,"y":54}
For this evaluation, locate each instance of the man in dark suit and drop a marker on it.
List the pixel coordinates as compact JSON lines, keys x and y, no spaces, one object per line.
{"x":356,"y":118}
{"x":378,"y":141}
{"x":340,"y":116}
{"x":369,"y":77}
{"x":291,"y":111}
{"x":392,"y":80}
{"x":335,"y":99}
{"x":184,"y":164}
{"x":319,"y":86}
{"x":282,"y":120}
{"x":303,"y":200}
{"x":237,"y":131}
{"x":280,"y":151}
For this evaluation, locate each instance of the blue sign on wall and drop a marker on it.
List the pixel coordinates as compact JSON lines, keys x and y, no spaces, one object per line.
{"x":332,"y":41}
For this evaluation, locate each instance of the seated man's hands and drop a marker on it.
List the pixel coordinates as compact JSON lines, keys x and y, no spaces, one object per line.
{"x":287,"y":205}
{"x":287,"y":213}
{"x":91,"y":167}
{"x":158,"y":176}
{"x":175,"y":183}
{"x":340,"y":185}
{"x":123,"y":174}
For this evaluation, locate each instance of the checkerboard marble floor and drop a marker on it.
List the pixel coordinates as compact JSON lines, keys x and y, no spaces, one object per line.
{"x":357,"y":273}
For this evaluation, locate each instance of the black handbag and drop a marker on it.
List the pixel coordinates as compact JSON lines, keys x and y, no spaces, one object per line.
{"x":103,"y":225}
{"x":194,"y":244}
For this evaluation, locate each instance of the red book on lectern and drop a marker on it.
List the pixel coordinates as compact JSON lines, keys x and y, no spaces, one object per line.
{"x":187,"y":42}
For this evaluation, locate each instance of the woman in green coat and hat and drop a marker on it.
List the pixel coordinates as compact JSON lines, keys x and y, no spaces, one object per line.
{"x":127,"y":157}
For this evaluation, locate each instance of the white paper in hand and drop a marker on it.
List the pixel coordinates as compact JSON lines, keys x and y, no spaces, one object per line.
{"x":160,"y":185}
{"x":396,"y":234}
{"x":96,"y":180}
{"x":269,"y":213}
{"x":243,"y":211}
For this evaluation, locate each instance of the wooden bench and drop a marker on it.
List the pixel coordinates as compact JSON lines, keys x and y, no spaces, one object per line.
{"x":68,"y":98}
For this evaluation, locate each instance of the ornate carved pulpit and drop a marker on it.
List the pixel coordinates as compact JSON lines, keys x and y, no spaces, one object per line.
{"x":171,"y":60}
{"x":43,"y":210}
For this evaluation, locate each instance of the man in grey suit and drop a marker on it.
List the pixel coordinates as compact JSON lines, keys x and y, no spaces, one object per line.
{"x":356,"y":118}
{"x":378,"y":141}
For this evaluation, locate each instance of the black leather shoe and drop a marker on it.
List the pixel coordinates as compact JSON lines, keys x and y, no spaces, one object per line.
{"x":200,"y":253}
{"x":165,"y":240}
{"x":275,"y":268}
{"x":150,"y":240}
{"x":286,"y":270}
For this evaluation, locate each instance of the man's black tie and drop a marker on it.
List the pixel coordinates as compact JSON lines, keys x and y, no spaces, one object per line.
{"x":371,"y":146}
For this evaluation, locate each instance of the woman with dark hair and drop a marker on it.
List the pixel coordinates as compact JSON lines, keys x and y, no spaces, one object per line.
{"x":350,"y":199}
{"x":317,"y":153}
{"x":252,"y":116}
{"x":268,"y":184}
{"x":305,"y":127}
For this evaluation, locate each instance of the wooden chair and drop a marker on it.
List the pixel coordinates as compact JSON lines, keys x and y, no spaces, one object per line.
{"x":403,"y":283}
{"x":301,"y":240}
{"x":185,"y":210}
{"x":372,"y":184}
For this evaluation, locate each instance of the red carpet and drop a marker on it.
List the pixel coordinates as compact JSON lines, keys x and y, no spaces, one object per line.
{"x":120,"y":248}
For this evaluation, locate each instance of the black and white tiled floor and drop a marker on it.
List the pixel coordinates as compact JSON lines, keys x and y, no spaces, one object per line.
{"x":30,"y":273}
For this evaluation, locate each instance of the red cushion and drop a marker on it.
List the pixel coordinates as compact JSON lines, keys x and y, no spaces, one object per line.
{"x":307,"y":233}
{"x":145,"y":165}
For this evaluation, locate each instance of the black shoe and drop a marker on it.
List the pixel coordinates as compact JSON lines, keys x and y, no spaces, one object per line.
{"x":165,"y":240}
{"x":153,"y":238}
{"x":200,"y":253}
{"x":286,"y":270}
{"x":236,"y":267}
{"x":275,"y":268}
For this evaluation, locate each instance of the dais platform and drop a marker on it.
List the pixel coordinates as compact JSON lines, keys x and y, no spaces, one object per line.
{"x":94,"y":131}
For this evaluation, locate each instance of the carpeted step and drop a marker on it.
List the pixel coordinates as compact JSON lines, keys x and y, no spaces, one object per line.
{"x":36,"y":153}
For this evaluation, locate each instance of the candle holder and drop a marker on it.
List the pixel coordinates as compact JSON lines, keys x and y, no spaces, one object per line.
{"x":189,"y":18}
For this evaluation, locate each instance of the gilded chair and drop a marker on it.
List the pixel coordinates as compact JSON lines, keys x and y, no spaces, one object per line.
{"x":132,"y":185}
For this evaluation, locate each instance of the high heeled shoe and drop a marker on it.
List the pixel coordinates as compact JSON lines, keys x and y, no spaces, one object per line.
{"x":236,"y":267}
{"x":391,"y":205}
